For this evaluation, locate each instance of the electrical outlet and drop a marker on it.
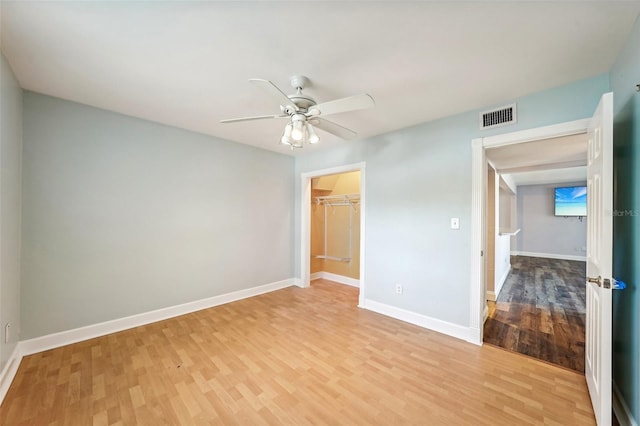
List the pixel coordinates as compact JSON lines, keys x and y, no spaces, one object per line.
{"x":6,"y":332}
{"x":455,"y":223}
{"x":398,"y":289}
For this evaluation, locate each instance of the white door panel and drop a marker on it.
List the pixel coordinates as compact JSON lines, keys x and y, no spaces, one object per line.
{"x":599,"y":259}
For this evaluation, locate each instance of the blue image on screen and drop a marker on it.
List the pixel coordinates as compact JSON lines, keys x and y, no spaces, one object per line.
{"x":571,"y":201}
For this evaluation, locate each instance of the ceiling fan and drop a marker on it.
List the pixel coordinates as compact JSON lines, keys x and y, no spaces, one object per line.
{"x":304,"y":113}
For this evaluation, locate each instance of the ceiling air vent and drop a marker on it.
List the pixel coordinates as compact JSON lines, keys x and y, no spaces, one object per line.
{"x":498,"y":117}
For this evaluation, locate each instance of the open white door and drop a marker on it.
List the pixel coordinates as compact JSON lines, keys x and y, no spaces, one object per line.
{"x":599,"y":254}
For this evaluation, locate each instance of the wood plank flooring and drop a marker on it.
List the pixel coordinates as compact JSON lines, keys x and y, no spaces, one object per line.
{"x":540,"y":311}
{"x":291,"y":357}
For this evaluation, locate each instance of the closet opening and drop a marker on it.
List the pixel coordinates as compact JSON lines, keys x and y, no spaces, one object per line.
{"x":335,"y":213}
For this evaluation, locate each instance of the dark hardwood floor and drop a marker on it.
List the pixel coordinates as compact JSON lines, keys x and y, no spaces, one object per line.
{"x":540,"y":311}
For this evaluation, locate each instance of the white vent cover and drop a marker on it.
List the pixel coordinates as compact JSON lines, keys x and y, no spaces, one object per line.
{"x":498,"y":117}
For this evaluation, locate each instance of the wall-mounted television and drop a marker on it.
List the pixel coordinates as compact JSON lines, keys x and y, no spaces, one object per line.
{"x":571,"y":201}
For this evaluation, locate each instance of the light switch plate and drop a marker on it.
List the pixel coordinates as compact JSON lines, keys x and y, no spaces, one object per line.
{"x":455,"y":223}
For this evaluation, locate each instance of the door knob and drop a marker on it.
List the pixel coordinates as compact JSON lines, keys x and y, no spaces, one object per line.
{"x":607,"y":283}
{"x":597,"y":281}
{"x":600,"y":282}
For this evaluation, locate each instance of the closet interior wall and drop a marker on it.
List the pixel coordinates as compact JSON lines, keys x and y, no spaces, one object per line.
{"x":335,"y":224}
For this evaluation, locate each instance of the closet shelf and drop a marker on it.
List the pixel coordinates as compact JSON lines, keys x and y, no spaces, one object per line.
{"x":339,"y":259}
{"x":338,"y":200}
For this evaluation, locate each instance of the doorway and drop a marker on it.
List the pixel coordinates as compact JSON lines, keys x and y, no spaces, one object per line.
{"x":335,"y":228}
{"x":480,"y":165}
{"x":535,"y":255}
{"x":333,"y":248}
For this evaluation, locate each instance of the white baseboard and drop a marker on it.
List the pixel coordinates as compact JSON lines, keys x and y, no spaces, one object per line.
{"x":475,"y":336}
{"x":335,"y":277}
{"x":444,"y":327}
{"x":491,"y":295}
{"x":316,"y":276}
{"x":9,"y":371}
{"x":621,"y":409}
{"x":549,"y":255}
{"x":67,"y":337}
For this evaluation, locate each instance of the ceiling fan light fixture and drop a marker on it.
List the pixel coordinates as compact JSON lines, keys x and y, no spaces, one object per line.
{"x":297,"y":134}
{"x":312,"y":136}
{"x":286,"y":137}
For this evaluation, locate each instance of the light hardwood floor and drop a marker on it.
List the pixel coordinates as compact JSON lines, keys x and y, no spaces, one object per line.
{"x":293,"y":357}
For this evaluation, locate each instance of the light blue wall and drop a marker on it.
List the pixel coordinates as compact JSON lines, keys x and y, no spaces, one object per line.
{"x":10,"y":201}
{"x":416,"y":180}
{"x":625,"y":75}
{"x":123,"y":216}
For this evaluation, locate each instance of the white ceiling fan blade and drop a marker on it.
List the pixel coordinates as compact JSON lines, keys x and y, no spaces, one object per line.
{"x":345,"y":104}
{"x":258,"y":117}
{"x":333,"y":128}
{"x":275,"y":91}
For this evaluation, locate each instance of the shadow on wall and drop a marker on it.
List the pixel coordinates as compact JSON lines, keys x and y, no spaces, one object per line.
{"x":626,"y":241}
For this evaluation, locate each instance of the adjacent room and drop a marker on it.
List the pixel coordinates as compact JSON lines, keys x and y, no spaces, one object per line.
{"x":537,"y":210}
{"x":312,"y":212}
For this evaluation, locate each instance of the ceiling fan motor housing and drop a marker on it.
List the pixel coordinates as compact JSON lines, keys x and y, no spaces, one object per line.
{"x":302,"y":101}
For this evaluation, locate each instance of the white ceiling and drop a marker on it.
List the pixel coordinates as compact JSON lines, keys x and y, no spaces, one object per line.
{"x":187,"y":64}
{"x":541,"y":177}
{"x":553,"y":160}
{"x":552,"y":153}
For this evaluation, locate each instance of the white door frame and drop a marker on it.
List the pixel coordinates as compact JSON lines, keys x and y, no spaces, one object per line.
{"x":305,"y":221}
{"x":478,"y":207}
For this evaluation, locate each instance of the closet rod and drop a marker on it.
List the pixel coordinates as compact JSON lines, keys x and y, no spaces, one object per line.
{"x":335,"y":199}
{"x":342,"y":203}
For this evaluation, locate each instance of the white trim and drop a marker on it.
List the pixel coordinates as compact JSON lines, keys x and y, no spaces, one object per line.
{"x":305,"y":230}
{"x":500,"y":283}
{"x":509,"y":183}
{"x":549,"y":255}
{"x":539,"y":133}
{"x":621,"y":409}
{"x":305,"y":221}
{"x":316,"y":276}
{"x":491,"y":296}
{"x":67,"y":337}
{"x":335,"y":277}
{"x":444,"y":327}
{"x":9,"y":371}
{"x":477,"y":292}
{"x":361,"y":296}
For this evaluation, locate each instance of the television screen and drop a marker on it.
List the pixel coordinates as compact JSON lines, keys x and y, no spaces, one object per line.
{"x":571,"y":201}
